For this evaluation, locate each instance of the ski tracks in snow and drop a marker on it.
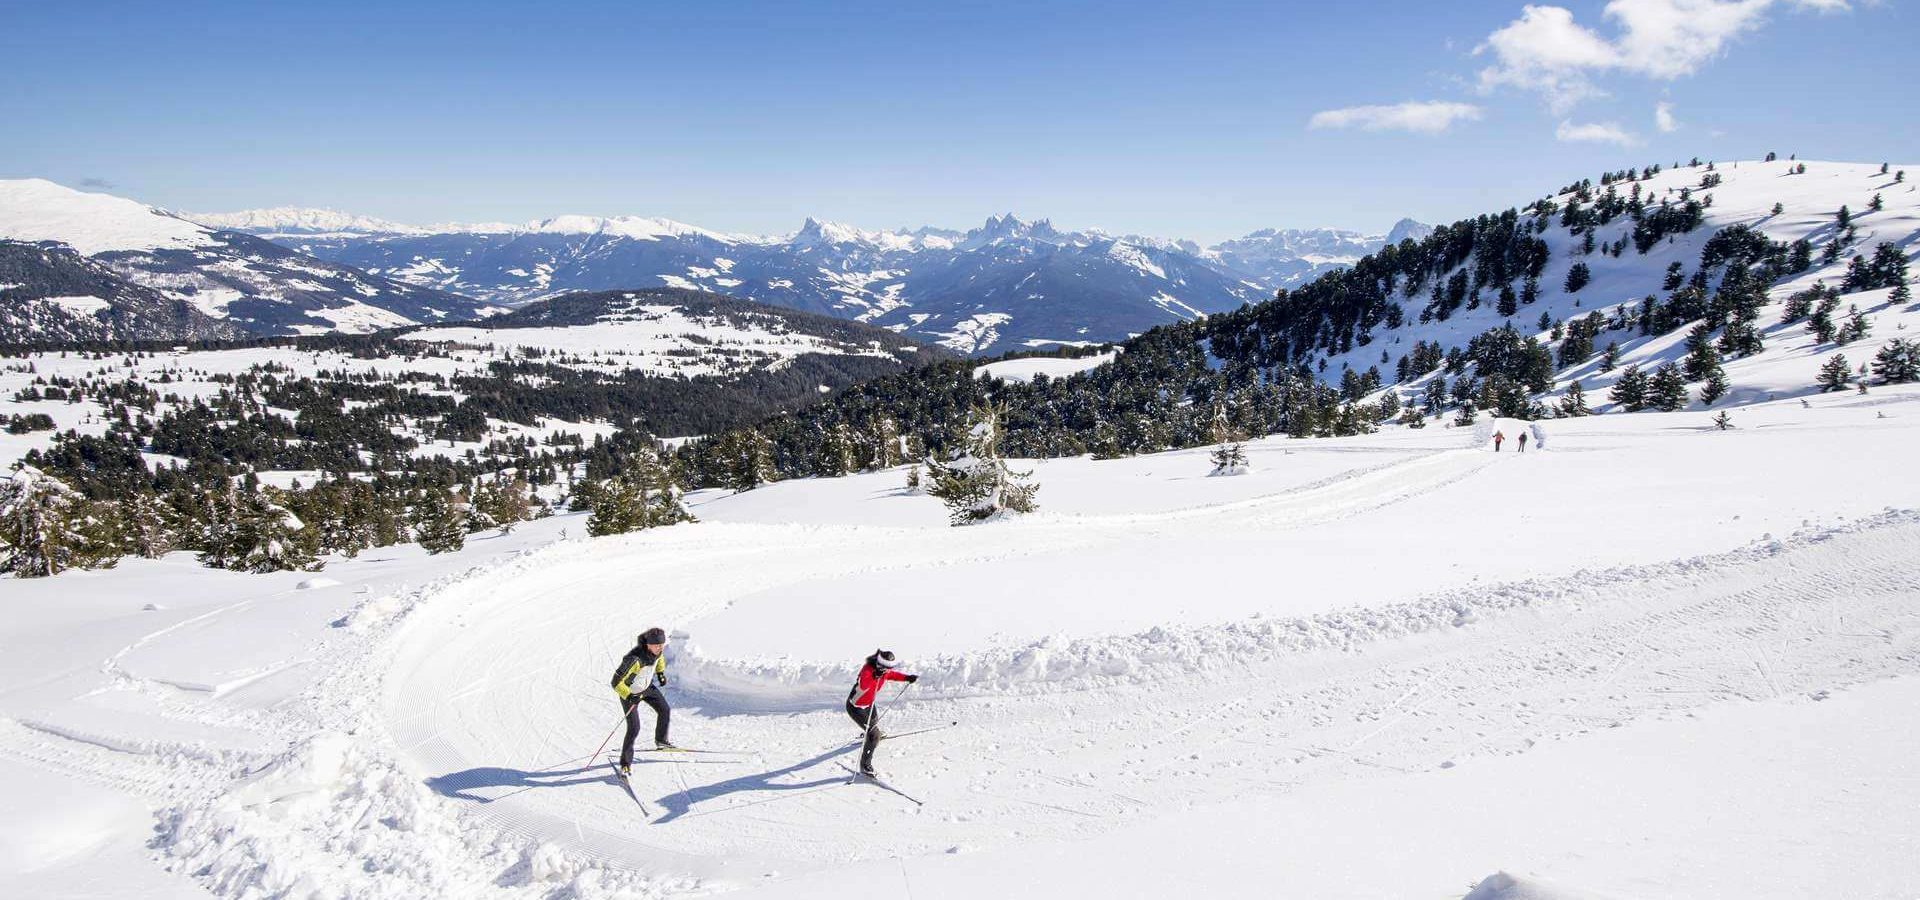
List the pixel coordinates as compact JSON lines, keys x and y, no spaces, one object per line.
{"x":1060,"y":739}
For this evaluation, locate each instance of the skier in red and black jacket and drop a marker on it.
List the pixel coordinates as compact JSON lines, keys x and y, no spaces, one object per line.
{"x":874,"y":674}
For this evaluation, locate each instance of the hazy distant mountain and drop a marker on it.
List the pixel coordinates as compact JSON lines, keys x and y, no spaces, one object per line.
{"x":139,"y":265}
{"x":1004,"y":285}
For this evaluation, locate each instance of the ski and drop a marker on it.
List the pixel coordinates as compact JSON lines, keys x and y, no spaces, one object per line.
{"x":858,"y":777}
{"x":694,"y":750}
{"x":613,"y":762}
{"x":857,"y":741}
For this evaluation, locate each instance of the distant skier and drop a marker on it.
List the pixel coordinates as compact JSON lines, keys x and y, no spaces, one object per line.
{"x":874,"y":674}
{"x":648,"y":652}
{"x":1523,"y":442}
{"x":1498,"y":436}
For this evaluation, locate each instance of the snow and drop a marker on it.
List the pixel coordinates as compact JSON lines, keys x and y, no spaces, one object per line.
{"x":1052,"y":367}
{"x":1657,"y":661}
{"x":81,"y":306}
{"x":34,"y":209}
{"x":1385,"y":654}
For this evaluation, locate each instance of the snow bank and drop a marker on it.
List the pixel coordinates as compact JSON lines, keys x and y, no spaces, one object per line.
{"x":1054,"y":663}
{"x":328,"y":819}
{"x":1501,"y":886}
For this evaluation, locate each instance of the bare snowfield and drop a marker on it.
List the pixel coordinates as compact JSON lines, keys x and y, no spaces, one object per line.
{"x":1651,"y":661}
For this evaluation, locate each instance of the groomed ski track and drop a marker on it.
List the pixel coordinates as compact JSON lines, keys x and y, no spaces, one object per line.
{"x":495,"y":690}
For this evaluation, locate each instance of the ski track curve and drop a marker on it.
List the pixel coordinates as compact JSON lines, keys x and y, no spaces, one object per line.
{"x":493,"y":692}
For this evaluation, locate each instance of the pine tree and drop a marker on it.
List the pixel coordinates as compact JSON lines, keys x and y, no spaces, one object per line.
{"x":643,"y":495}
{"x":148,"y":528}
{"x":1702,"y":359}
{"x":1715,"y":388}
{"x":1630,"y":391}
{"x":47,"y":528}
{"x":976,"y":483}
{"x":440,"y":521}
{"x":1876,"y":204}
{"x":1898,"y":362}
{"x":1508,"y":304}
{"x":1723,"y":421}
{"x":1467,"y":414}
{"x":915,"y":483}
{"x":1855,"y":328}
{"x":1577,"y":277}
{"x":1674,"y":278}
{"x":1229,"y":454}
{"x":1835,"y":374}
{"x":1779,"y":208}
{"x":1574,"y":404}
{"x":267,"y":536}
{"x":1667,"y":391}
{"x":1611,"y":357}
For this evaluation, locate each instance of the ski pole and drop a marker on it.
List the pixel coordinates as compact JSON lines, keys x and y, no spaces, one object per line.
{"x":610,"y":734}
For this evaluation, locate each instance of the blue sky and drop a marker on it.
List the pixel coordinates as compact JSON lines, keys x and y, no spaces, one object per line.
{"x":1201,"y":120}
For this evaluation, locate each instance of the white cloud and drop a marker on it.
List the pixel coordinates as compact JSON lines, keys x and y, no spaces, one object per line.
{"x":1423,"y":117}
{"x":1546,"y":51}
{"x":1596,"y":133}
{"x":1663,"y":118}
{"x":1666,"y":39}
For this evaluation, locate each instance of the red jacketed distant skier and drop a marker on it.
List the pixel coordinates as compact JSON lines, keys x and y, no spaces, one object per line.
{"x":1498,"y":437}
{"x":649,"y":652}
{"x":874,"y":674}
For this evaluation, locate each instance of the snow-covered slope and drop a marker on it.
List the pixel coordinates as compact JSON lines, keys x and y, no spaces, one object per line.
{"x":253,"y":285}
{"x":1383,"y":655}
{"x":674,"y":332}
{"x":1745,"y":194}
{"x":1004,"y":285}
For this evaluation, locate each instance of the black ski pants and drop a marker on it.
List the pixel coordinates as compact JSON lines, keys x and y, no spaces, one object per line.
{"x":869,"y":719}
{"x":662,"y":715}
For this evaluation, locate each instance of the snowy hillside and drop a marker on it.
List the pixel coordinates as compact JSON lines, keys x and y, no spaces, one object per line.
{"x":1006,"y":285}
{"x":250,"y":285}
{"x":1745,"y":194}
{"x":1382,"y":655}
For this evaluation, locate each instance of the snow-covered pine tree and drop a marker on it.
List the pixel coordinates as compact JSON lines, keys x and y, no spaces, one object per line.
{"x":1835,"y":374}
{"x":440,"y":521}
{"x":1229,"y":455}
{"x":1898,"y":362}
{"x":1667,"y":391}
{"x":1723,"y":421}
{"x":975,"y":482}
{"x":643,"y":495}
{"x":1574,"y":404}
{"x":267,"y":536}
{"x":915,"y":484}
{"x":149,"y":528}
{"x":47,"y":528}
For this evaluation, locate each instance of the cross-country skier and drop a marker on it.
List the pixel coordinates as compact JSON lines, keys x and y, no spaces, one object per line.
{"x":874,"y":674}
{"x":1498,"y":436}
{"x":1523,"y":442}
{"x":648,"y":652}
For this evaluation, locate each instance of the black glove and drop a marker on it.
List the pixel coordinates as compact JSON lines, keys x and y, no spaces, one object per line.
{"x":912,"y":678}
{"x":660,"y":678}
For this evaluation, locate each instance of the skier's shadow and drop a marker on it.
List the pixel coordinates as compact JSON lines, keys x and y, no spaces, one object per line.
{"x":468,"y":784}
{"x":680,"y":803}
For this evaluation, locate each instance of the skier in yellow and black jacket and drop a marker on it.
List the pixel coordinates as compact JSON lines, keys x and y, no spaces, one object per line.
{"x":649,"y":652}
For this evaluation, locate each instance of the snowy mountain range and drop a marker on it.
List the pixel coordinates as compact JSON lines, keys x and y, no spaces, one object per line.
{"x":92,"y":266}
{"x":1007,"y":284}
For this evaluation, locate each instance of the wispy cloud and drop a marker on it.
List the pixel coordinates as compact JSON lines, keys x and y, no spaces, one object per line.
{"x":1663,"y":118}
{"x":100,"y":183}
{"x":1595,"y":133}
{"x":1418,"y":116}
{"x":1547,"y":52}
